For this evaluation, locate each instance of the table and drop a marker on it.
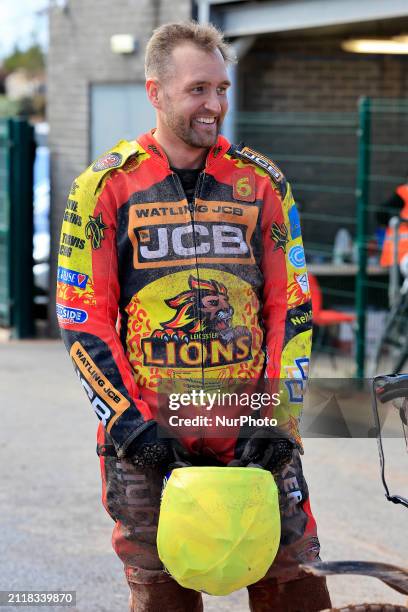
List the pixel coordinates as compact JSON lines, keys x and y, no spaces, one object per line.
{"x":329,"y":269}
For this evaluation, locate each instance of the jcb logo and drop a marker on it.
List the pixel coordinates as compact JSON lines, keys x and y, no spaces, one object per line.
{"x":174,"y":245}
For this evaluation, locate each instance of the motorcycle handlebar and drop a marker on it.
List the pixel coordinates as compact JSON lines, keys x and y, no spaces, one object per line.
{"x":391,"y":387}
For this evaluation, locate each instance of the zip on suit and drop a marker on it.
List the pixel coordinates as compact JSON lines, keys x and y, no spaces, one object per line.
{"x":151,"y":289}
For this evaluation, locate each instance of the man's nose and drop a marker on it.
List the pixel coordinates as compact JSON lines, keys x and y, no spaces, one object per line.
{"x":213,"y":104}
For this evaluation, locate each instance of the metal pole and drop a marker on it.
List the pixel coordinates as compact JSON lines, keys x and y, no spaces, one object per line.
{"x":394,"y":284}
{"x":5,"y":240}
{"x":364,"y":112}
{"x":21,"y":229}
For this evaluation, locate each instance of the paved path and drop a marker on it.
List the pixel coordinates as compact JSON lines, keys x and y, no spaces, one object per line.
{"x":50,"y":490}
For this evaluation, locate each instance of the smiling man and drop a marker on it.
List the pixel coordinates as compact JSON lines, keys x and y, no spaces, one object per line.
{"x":183,"y":261}
{"x":187,"y":82}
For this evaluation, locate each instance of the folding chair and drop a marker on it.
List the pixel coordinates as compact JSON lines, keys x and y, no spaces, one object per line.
{"x":323,"y":319}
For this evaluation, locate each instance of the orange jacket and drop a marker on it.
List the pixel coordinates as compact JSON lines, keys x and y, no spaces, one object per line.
{"x":387,"y":255}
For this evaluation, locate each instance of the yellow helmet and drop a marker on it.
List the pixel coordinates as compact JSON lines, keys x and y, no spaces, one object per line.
{"x":219,"y":527}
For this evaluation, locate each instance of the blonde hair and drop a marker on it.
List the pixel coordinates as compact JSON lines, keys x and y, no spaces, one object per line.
{"x":169,"y":36}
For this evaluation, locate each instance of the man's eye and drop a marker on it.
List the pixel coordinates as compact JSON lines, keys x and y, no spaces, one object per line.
{"x":222,"y":90}
{"x":198,"y":89}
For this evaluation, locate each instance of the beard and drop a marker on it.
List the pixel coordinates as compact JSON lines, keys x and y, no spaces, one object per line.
{"x":190,"y":133}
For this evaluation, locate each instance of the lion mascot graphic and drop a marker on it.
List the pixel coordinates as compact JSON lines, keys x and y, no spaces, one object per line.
{"x":207,"y":299}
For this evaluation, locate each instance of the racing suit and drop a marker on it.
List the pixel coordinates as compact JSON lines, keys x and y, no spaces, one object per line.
{"x":152,"y":288}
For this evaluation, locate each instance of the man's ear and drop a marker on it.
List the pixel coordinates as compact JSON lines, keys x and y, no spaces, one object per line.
{"x":153,"y":90}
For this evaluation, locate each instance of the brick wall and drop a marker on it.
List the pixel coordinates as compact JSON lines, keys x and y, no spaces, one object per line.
{"x":79,"y":54}
{"x":315,"y":74}
{"x":312,"y":75}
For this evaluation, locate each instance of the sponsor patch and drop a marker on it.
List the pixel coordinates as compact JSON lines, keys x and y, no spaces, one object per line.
{"x":111,"y":160}
{"x":294,"y":222}
{"x":74,"y":188}
{"x":266,"y":164}
{"x":71,"y":277}
{"x":297,"y":257}
{"x":262,"y":161}
{"x":303,"y":282}
{"x":65,"y":314}
{"x":95,"y":230}
{"x":297,"y":375}
{"x":209,"y":320}
{"x":186,"y":340}
{"x":301,"y":315}
{"x":298,"y":320}
{"x":107,"y":401}
{"x":300,"y":369}
{"x":279,"y":234}
{"x":167,"y":243}
{"x":222,"y":233}
{"x":69,"y":242}
{"x":243,"y":185}
{"x":71,"y":214}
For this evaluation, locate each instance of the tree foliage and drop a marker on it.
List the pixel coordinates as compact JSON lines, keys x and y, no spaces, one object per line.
{"x":32,"y":60}
{"x":8,"y":108}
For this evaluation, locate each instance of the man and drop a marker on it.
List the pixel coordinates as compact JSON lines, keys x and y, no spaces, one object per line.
{"x":396,"y":205}
{"x":181,"y":257}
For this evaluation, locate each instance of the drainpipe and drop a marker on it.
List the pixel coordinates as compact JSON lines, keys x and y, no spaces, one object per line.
{"x":203,"y":11}
{"x":241,"y":47}
{"x":156,"y":13}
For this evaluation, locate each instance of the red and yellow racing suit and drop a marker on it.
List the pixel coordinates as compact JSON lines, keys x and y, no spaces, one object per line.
{"x":151,"y":288}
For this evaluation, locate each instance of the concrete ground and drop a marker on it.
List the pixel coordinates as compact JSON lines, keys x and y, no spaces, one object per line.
{"x":55,"y":534}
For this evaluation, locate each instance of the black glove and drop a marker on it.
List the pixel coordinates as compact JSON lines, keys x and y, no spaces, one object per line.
{"x":184,"y":458}
{"x":268,"y":447}
{"x":181,"y":456}
{"x":148,"y":450}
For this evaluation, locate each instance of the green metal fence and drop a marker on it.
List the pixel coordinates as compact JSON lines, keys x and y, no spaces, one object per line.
{"x":383,"y":165}
{"x":319,"y":155}
{"x":341,"y":167}
{"x":16,"y":226}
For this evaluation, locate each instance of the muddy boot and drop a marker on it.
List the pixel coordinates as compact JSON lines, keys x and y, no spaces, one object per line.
{"x":308,"y":594}
{"x":164,"y":595}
